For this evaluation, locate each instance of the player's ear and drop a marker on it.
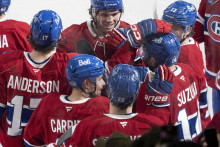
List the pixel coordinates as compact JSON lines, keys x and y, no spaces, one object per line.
{"x":86,"y":84}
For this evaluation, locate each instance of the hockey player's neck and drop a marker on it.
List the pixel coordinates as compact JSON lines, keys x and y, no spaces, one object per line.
{"x":116,"y":110}
{"x":77,"y":95}
{"x":39,"y":56}
{"x":96,"y":30}
{"x":2,"y":16}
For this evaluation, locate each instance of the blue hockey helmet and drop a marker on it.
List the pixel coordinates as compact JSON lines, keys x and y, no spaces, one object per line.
{"x":165,"y":49}
{"x":45,"y":28}
{"x":123,"y":84}
{"x":81,"y":67}
{"x":106,"y":5}
{"x":182,"y":13}
{"x":4,"y":4}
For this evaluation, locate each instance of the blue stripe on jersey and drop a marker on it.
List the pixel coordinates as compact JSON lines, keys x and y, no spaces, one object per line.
{"x":209,"y":75}
{"x":2,"y":110}
{"x":203,"y":98}
{"x":38,"y":62}
{"x":160,"y":104}
{"x":192,"y":124}
{"x":25,"y":116}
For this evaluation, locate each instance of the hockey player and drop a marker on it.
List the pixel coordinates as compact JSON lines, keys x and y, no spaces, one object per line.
{"x":84,"y":73}
{"x":182,"y":21}
{"x":123,"y":85}
{"x":207,"y":31}
{"x":12,"y":33}
{"x":105,"y":16}
{"x":26,"y":77}
{"x":175,"y":91}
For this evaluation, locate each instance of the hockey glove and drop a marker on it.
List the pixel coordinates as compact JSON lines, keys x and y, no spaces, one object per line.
{"x":144,"y":29}
{"x":142,"y":72}
{"x":116,"y":39}
{"x":162,"y":81}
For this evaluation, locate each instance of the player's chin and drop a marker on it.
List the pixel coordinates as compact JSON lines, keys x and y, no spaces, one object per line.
{"x":108,"y":29}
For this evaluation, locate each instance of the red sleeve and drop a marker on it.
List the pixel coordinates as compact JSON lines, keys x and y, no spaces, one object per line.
{"x":124,"y":55}
{"x":34,"y":132}
{"x":163,"y":113}
{"x":203,"y":104}
{"x":199,"y":25}
{"x":3,"y":97}
{"x":215,"y":122}
{"x":81,"y":135}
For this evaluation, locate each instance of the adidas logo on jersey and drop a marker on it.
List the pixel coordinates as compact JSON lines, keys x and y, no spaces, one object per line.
{"x":36,"y":70}
{"x":124,"y":123}
{"x":68,"y":108}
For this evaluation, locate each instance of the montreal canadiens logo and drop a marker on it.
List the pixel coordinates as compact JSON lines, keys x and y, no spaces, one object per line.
{"x":214,"y":27}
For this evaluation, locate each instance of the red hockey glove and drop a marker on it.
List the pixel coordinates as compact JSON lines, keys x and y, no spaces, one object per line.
{"x":116,"y":38}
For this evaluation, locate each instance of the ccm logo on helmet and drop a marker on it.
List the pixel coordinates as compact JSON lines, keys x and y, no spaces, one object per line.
{"x":84,"y":62}
{"x":214,"y":27}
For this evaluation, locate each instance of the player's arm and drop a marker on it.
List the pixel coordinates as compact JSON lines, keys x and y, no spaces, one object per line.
{"x":3,"y":95}
{"x":126,"y":41}
{"x":200,"y":20}
{"x":34,"y":133}
{"x":159,"y":88}
{"x":203,"y":104}
{"x":137,"y":32}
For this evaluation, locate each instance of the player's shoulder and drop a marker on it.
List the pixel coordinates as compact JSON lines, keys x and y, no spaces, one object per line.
{"x":15,"y":25}
{"x":124,"y":24}
{"x":11,"y":57}
{"x":65,"y":57}
{"x":100,"y":99}
{"x":100,"y":102}
{"x":151,"y":119}
{"x":74,"y":27}
{"x":49,"y":102}
{"x":183,"y":68}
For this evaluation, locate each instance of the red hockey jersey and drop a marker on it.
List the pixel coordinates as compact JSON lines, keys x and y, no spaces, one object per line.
{"x":191,"y":55}
{"x":185,"y":107}
{"x":84,"y":31}
{"x":207,"y":30}
{"x":23,"y":84}
{"x":90,"y":129}
{"x":13,"y":36}
{"x":55,"y":114}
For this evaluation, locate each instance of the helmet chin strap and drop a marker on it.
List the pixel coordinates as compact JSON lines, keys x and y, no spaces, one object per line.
{"x":90,"y":94}
{"x":185,"y":36}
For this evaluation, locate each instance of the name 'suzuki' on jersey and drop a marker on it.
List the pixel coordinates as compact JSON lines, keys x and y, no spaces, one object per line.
{"x":61,"y":125}
{"x":187,"y":94}
{"x":33,"y":86}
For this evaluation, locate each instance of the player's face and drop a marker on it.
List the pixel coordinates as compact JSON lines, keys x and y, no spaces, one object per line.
{"x":178,"y":30}
{"x":100,"y":83}
{"x":107,"y":20}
